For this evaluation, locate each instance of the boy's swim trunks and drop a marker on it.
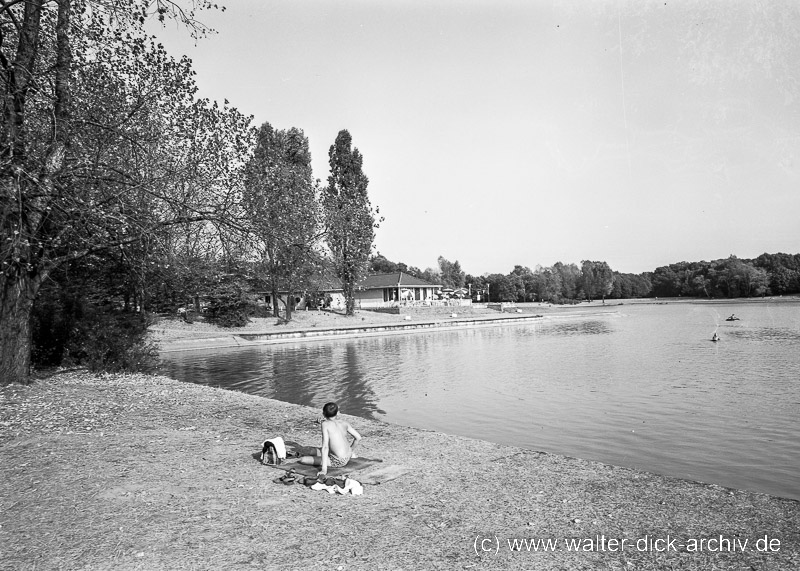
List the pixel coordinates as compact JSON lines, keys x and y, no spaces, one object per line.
{"x":337,"y":462}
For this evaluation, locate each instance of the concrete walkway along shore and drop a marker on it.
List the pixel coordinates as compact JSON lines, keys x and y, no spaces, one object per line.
{"x":243,"y":339}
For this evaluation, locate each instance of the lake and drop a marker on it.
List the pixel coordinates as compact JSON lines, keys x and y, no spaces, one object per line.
{"x":637,"y":385}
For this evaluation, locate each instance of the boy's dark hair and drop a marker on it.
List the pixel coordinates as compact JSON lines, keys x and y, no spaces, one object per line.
{"x":330,"y":410}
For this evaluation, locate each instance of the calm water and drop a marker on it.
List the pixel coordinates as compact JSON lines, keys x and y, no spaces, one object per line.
{"x":634,"y":385}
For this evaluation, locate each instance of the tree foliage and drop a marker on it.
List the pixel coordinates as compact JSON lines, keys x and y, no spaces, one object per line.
{"x":280,"y":199}
{"x":597,"y":279}
{"x":450,"y":273}
{"x":103,"y":148}
{"x":380,"y":264}
{"x":769,"y":274}
{"x":77,"y":321}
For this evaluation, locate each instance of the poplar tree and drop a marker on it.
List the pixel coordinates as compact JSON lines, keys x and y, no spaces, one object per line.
{"x":349,"y":217}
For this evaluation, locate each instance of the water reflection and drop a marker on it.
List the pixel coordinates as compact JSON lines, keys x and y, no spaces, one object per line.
{"x":308,"y":375}
{"x":594,"y":327}
{"x":353,"y":389}
{"x":766,"y":334}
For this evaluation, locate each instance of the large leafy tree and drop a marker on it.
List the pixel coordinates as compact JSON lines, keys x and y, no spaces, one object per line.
{"x":500,"y":288}
{"x":554,"y":286}
{"x":280,"y":198}
{"x":525,"y":282}
{"x":380,"y":264}
{"x":450,"y":273}
{"x":102,"y":147}
{"x":597,"y":279}
{"x":349,"y":217}
{"x":570,"y":276}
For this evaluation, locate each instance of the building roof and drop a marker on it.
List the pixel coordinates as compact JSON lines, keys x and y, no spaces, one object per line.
{"x":395,"y":279}
{"x":330,"y":283}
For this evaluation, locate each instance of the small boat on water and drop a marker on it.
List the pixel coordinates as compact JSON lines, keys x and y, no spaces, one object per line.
{"x":732,"y":318}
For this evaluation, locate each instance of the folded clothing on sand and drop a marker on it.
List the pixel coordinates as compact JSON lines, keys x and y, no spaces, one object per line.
{"x":351,"y":486}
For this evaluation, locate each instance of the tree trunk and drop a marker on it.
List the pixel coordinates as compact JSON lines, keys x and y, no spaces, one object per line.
{"x":276,"y":312}
{"x":289,"y":305}
{"x":349,"y":298}
{"x":16,"y":302}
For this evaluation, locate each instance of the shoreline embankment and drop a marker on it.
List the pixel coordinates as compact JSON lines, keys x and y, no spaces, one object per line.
{"x":144,"y":472}
{"x":320,"y":334}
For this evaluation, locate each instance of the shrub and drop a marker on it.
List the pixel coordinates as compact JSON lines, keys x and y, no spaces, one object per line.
{"x":111,"y":341}
{"x":52,"y":319}
{"x":67,"y":330}
{"x":229,"y":304}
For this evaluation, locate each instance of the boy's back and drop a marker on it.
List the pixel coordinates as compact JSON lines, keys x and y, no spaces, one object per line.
{"x":337,"y":431}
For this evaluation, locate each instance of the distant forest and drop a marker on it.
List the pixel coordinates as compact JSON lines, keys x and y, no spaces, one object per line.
{"x":732,"y":277}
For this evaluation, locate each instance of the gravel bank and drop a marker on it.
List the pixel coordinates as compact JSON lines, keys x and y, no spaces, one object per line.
{"x":141,"y":472}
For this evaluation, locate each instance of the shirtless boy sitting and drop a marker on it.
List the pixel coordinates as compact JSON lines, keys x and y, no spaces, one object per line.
{"x":336,"y":450}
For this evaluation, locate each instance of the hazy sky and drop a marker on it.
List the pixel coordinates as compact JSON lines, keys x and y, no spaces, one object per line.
{"x":499,"y":133}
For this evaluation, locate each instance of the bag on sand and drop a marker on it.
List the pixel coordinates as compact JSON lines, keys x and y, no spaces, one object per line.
{"x":273,"y":451}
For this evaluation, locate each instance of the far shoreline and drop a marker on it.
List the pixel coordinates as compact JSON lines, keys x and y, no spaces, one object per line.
{"x":173,"y":335}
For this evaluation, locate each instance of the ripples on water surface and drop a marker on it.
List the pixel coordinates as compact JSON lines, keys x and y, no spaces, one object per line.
{"x":640,"y":386}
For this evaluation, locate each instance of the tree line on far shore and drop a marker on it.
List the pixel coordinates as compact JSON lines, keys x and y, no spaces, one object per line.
{"x":732,"y":277}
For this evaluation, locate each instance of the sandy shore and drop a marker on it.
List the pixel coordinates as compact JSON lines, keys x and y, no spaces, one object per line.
{"x":140,"y":472}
